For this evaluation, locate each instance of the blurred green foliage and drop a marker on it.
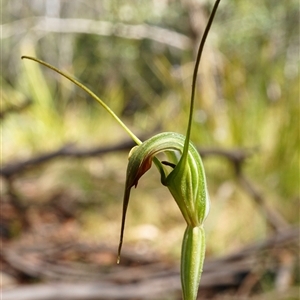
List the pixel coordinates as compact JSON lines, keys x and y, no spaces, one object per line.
{"x":248,"y":96}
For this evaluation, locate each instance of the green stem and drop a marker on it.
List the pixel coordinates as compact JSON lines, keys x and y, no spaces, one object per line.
{"x":131,"y":134}
{"x":199,"y":54}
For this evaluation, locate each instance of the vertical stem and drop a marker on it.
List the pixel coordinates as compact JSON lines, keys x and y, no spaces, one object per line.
{"x":199,"y":54}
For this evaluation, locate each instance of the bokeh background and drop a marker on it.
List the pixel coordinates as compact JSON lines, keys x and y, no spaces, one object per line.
{"x":138,"y":56}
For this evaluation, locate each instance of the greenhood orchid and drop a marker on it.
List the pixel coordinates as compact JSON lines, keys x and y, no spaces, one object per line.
{"x":182,"y":173}
{"x":187,"y":184}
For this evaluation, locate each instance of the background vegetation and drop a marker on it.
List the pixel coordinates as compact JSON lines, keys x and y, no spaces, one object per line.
{"x":248,"y":98}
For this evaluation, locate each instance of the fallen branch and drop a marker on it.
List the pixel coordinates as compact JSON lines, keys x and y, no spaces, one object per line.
{"x":103,"y":28}
{"x":236,"y":156}
{"x":273,"y":217}
{"x":66,"y":151}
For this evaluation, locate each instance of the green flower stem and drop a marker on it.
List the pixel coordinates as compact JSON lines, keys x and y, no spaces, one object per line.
{"x":192,"y":258}
{"x":199,"y":54}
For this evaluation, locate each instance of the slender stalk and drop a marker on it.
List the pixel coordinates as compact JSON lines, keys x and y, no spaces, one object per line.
{"x":199,"y":54}
{"x":87,"y":90}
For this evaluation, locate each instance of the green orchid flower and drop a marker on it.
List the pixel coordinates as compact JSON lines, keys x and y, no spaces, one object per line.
{"x":183,"y":174}
{"x":187,"y":184}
